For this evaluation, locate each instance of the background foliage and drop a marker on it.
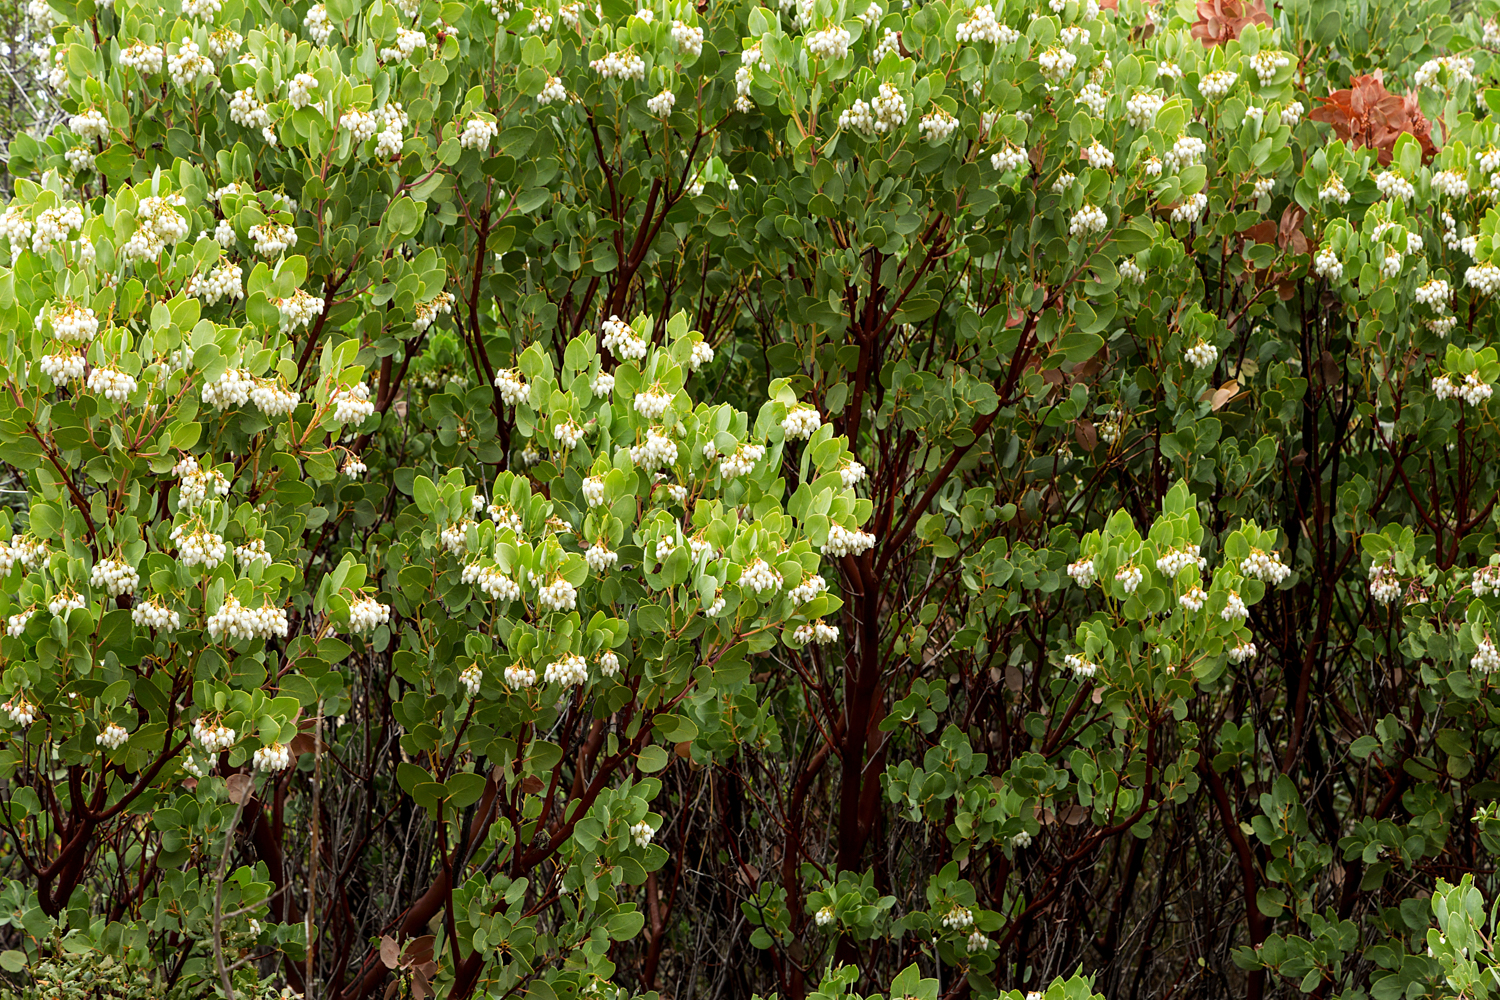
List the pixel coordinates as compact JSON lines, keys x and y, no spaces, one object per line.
{"x":717,"y":500}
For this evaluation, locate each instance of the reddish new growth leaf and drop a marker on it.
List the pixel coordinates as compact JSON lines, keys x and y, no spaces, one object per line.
{"x":1220,"y":21}
{"x":1369,"y":115}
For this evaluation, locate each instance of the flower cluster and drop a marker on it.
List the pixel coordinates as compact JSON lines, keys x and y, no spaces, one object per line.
{"x":111,"y":383}
{"x":28,"y":553}
{"x":512,"y":386}
{"x":15,"y":624}
{"x":495,"y":584}
{"x":253,"y":551}
{"x":188,"y":65}
{"x":1202,"y":355}
{"x":593,"y":491}
{"x":1483,"y":278}
{"x":620,"y":66}
{"x":21,"y":711}
{"x":230,"y":389}
{"x":843,"y":542}
{"x":1008,"y":158}
{"x":937,"y":125}
{"x":1449,"y":183}
{"x":1486,"y":658}
{"x":196,"y":485}
{"x":801,"y":422}
{"x":831,"y":42}
{"x":688,"y":38}
{"x":701,"y":355}
{"x":1265,"y":566}
{"x":112,"y":736}
{"x":143,"y":58}
{"x":273,"y":399}
{"x":1193,"y":600}
{"x":1175,"y":560}
{"x":248,"y":111}
{"x":1057,"y":64}
{"x":1385,"y":586}
{"x":1460,"y":69}
{"x":235,"y":621}
{"x":570,"y":671}
{"x":1326,"y":264}
{"x":1097,"y":155}
{"x":652,"y":403}
{"x":1244,"y":651}
{"x":1142,"y":108}
{"x":478,"y":133}
{"x":1392,"y":185}
{"x":214,"y":737}
{"x":62,"y":368}
{"x":157,"y":225}
{"x":620,"y":339}
{"x":1472,"y":390}
{"x":958,"y":918}
{"x":115,"y":577}
{"x":518,"y":675}
{"x":662,"y":104}
{"x":1088,"y":219}
{"x":657,"y":451}
{"x":275,"y":757}
{"x":599,"y":557}
{"x":352,"y":405}
{"x":817,"y":632}
{"x":567,"y":433}
{"x":153,"y":615}
{"x":559,"y":595}
{"x":981,"y":26}
{"x":807,"y":590}
{"x":299,"y":89}
{"x":298,"y":310}
{"x":63,"y":603}
{"x":1266,"y":62}
{"x":1216,"y":84}
{"x":223,"y":282}
{"x":198,"y":547}
{"x":366,"y":614}
{"x":1080,"y":666}
{"x":272,"y":239}
{"x":1083,"y":572}
{"x":760,"y":577}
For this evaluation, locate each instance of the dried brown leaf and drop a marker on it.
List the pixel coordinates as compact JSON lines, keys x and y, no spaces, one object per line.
{"x":1221,"y":21}
{"x":241,"y":788}
{"x":418,"y":951}
{"x":1368,"y":115}
{"x":1086,"y":434}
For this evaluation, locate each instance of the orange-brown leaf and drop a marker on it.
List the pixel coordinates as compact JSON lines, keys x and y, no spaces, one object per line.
{"x":1220,"y":21}
{"x":1366,"y":114}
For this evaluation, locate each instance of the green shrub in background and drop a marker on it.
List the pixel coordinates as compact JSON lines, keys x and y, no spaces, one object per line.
{"x":574,"y":500}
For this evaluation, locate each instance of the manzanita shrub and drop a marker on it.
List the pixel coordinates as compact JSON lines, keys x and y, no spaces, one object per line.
{"x":931,"y":500}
